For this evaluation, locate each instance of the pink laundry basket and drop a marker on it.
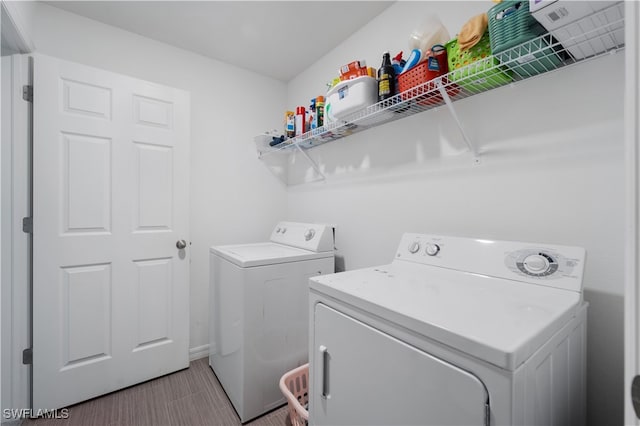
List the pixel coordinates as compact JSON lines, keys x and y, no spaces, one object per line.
{"x":294,"y":385}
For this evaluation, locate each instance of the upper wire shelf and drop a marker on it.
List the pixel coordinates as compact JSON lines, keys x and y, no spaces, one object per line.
{"x":593,"y":36}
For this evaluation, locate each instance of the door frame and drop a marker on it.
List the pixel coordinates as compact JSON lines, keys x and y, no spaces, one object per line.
{"x":632,"y":225}
{"x":16,"y":195}
{"x":16,"y":261}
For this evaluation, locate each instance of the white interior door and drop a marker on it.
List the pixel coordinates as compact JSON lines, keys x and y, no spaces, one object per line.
{"x":110,"y":286}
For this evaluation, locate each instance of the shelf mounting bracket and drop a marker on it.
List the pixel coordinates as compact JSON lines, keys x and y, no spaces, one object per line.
{"x":310,"y":160}
{"x":452,"y":110}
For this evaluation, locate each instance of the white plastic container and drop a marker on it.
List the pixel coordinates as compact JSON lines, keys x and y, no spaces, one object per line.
{"x":431,"y":31}
{"x":569,"y":21}
{"x":350,"y":96}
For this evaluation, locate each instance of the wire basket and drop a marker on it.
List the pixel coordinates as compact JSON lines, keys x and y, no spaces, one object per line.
{"x":294,"y":385}
{"x":514,"y":31}
{"x":475,"y":69}
{"x":435,"y":66}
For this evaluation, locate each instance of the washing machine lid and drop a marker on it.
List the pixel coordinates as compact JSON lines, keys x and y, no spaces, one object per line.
{"x":497,"y":320}
{"x":260,"y":254}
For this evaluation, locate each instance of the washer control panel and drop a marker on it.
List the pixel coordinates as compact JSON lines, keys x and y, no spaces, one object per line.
{"x":308,"y":236}
{"x":550,"y":265}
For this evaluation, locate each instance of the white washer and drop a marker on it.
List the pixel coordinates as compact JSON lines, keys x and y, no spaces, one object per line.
{"x":258,"y":323}
{"x":454,"y":331}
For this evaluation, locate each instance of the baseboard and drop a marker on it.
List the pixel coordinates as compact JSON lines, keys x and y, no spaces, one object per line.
{"x":198,"y":352}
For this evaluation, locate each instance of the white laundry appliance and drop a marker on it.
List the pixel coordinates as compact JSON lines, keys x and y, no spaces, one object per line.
{"x":258,"y":320}
{"x":454,"y":331}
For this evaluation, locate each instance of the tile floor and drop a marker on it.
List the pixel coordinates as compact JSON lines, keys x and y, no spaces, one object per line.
{"x":191,"y":397}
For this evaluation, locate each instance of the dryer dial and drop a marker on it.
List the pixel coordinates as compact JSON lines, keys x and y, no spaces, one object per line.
{"x":432,"y":249}
{"x":538,"y":265}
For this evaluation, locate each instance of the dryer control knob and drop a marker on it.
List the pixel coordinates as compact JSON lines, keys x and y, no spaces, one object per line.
{"x":536,"y":263}
{"x":309,"y":234}
{"x":277,"y":230}
{"x":284,"y":230}
{"x":414,"y":247}
{"x":432,"y":249}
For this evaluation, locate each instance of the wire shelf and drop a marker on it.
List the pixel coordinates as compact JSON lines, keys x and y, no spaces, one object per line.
{"x":593,"y":36}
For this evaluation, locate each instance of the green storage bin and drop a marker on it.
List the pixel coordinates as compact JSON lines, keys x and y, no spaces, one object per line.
{"x":531,"y":58}
{"x":475,"y":69}
{"x":515,"y":39}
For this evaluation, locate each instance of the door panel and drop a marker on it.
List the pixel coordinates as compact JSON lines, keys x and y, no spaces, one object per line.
{"x":86,"y":99}
{"x":154,"y":301}
{"x":371,"y":378}
{"x":110,"y":288}
{"x":86,"y":310}
{"x":86,"y":183}
{"x":153,"y":178}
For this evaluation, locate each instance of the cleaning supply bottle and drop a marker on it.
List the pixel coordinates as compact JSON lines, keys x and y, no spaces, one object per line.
{"x":398,"y":63}
{"x":414,"y":58}
{"x":300,"y":120}
{"x":290,"y":124}
{"x":311,"y":115}
{"x":386,"y":78}
{"x":319,"y":111}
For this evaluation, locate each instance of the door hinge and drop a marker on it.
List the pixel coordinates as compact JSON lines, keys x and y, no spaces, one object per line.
{"x":27,"y":225}
{"x":27,"y":356}
{"x":27,"y":93}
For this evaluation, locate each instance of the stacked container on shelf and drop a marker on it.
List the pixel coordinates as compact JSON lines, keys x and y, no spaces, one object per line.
{"x":565,"y":20}
{"x":464,"y":62}
{"x":304,"y":119}
{"x":353,"y":90}
{"x":513,"y":40}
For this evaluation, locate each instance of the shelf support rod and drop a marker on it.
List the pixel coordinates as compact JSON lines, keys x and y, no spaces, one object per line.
{"x":313,"y":163}
{"x":452,"y":110}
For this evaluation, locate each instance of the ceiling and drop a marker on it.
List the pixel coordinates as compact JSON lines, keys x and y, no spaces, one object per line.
{"x":279,"y":39}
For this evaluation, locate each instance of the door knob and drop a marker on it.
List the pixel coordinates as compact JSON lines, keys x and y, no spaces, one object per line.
{"x":181,"y":244}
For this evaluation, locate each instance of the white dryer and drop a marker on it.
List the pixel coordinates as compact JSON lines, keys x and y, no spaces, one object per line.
{"x":258,"y":321}
{"x":454,"y":331}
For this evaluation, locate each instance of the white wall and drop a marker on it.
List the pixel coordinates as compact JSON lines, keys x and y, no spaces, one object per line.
{"x":234,"y":198}
{"x":551,"y":171}
{"x":17,"y":26}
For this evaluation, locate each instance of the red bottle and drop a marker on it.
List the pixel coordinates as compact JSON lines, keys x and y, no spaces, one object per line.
{"x":300,"y":120}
